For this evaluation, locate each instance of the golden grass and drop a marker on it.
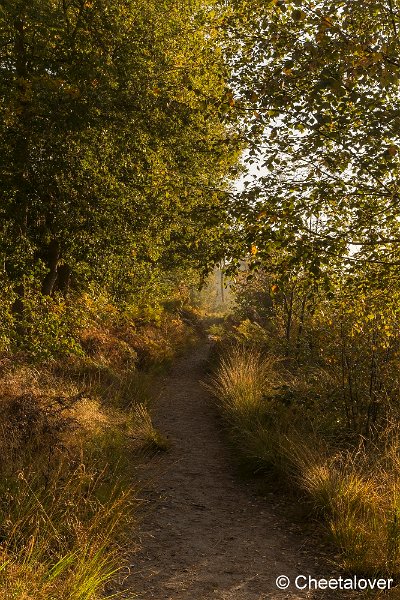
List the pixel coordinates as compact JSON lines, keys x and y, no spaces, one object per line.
{"x":60,"y":534}
{"x":356,"y":492}
{"x":71,"y":434}
{"x":245,"y":383}
{"x":143,"y":431}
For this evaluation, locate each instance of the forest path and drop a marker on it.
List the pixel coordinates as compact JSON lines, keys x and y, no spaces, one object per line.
{"x":204,"y":534}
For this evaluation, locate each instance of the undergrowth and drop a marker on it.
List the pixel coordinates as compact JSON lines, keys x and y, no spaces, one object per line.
{"x":73,"y":429}
{"x":355,"y":488}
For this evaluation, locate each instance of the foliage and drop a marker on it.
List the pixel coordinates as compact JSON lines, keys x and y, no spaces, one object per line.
{"x":116,"y":147}
{"x":317,"y":84}
{"x":344,"y":344}
{"x":52,"y":326}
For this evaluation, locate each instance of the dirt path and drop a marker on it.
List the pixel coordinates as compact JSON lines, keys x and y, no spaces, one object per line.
{"x":206,"y":535}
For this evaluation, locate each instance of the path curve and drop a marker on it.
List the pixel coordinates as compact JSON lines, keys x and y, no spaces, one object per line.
{"x":205,"y":535}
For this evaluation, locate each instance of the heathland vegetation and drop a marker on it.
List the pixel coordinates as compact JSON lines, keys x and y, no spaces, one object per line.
{"x":122,"y":127}
{"x":310,"y":387}
{"x":118,"y":144}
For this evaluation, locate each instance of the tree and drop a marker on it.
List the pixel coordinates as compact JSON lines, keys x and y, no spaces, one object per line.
{"x":114,"y":139}
{"x":318,"y":85}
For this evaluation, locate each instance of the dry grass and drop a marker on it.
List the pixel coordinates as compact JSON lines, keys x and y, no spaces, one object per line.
{"x":246,"y":381}
{"x":144,"y":432}
{"x":71,"y":434}
{"x":356,"y":492}
{"x":59,"y":534}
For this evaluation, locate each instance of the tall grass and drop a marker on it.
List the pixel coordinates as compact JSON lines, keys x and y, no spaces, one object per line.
{"x":356,"y":491}
{"x":69,"y":446}
{"x":59,"y":536}
{"x":244,"y":384}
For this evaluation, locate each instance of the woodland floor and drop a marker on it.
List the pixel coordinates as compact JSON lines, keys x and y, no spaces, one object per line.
{"x":204,"y":533}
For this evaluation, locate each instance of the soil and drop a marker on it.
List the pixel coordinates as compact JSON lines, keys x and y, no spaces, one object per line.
{"x":205,"y":534}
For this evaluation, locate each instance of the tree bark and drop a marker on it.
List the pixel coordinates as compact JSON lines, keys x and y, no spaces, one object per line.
{"x":21,"y":161}
{"x":63,"y":278}
{"x":52,"y":258}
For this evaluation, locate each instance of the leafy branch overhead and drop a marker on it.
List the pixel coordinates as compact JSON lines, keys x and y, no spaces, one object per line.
{"x":318,"y":86}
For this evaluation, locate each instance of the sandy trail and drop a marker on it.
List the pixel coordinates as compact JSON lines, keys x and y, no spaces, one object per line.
{"x":205,"y":535}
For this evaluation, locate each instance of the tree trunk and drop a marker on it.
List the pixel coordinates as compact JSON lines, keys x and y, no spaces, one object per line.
{"x":21,"y":162}
{"x":52,"y":258}
{"x":63,"y":278}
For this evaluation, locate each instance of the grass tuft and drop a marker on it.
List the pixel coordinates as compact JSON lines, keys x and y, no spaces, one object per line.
{"x":244,"y":384}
